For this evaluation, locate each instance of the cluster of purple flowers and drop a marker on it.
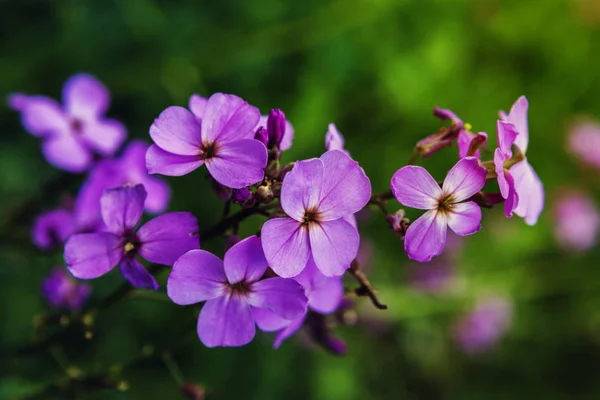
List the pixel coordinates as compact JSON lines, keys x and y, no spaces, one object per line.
{"x":292,"y":270}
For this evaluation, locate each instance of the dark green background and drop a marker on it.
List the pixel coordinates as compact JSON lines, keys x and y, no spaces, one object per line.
{"x":376,"y":68}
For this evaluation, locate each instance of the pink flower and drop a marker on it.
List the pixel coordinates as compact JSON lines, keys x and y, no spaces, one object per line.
{"x":584,"y":142}
{"x":577,"y":221}
{"x":414,"y":187}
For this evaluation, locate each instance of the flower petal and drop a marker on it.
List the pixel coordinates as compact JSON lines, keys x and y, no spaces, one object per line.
{"x":499,"y":158}
{"x":159,"y":161}
{"x":334,"y":139}
{"x":85,"y":97}
{"x":301,"y":188}
{"x":414,"y":187}
{"x":53,"y":228}
{"x":177,"y":131}
{"x":245,"y":261}
{"x":506,"y":134}
{"x":105,"y":136}
{"x":530,"y":191}
{"x":104,"y":175}
{"x":42,"y":116}
{"x":197,"y":105}
{"x":518,"y":117}
{"x":66,"y":152}
{"x":165,"y":238}
{"x":136,"y":274}
{"x":334,"y":244}
{"x":285,"y":297}
{"x":286,"y":246}
{"x":122,"y":207}
{"x":228,"y":118}
{"x":512,"y":198}
{"x":465,"y":218}
{"x":324,"y":293}
{"x":288,"y":135}
{"x":90,"y":255}
{"x":346,"y":189}
{"x":465,"y":179}
{"x":426,"y":236}
{"x":226,"y":321}
{"x":288,"y":331}
{"x":239,"y":163}
{"x":267,"y":320}
{"x":196,"y":276}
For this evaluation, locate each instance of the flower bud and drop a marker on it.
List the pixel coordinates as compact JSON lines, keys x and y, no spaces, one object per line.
{"x":262,"y":136}
{"x":264,"y":194}
{"x":243,"y":197}
{"x":275,"y":127}
{"x":193,"y":391}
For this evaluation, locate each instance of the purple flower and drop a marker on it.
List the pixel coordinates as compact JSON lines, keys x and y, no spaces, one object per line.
{"x":484,"y":326}
{"x":528,"y":185}
{"x":334,"y":140}
{"x":53,"y":228}
{"x":73,"y":133}
{"x":506,"y":134}
{"x":222,"y":139}
{"x":415,"y":187}
{"x":233,"y":291}
{"x":577,"y":221}
{"x":288,"y":132}
{"x":129,"y":169}
{"x":61,"y":291}
{"x":465,"y":136}
{"x":161,"y":240}
{"x":584,"y":142}
{"x":316,"y":195}
{"x":434,"y":277}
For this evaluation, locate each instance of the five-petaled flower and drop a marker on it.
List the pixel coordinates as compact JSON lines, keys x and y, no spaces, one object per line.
{"x":234,"y":292}
{"x":414,"y":187}
{"x":317,"y":195}
{"x":161,"y":240}
{"x":222,"y":139}
{"x":74,"y":133}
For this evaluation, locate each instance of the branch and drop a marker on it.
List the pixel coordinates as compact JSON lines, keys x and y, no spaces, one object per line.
{"x":365,"y":288}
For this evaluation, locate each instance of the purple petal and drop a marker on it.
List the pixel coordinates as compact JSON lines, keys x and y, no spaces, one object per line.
{"x":228,"y":118}
{"x":324,"y":293}
{"x":518,"y":117}
{"x":226,"y":321}
{"x":162,"y":162}
{"x":61,"y":291}
{"x":66,"y":152}
{"x":136,"y":274}
{"x":122,"y":207}
{"x":165,"y":238}
{"x":42,"y":116}
{"x":445,"y":114}
{"x":465,"y":218}
{"x":177,"y":131}
{"x":285,"y":297}
{"x":104,"y":136}
{"x":288,"y":136}
{"x":90,"y":255}
{"x":53,"y":228}
{"x":196,"y":276}
{"x":85,"y":97}
{"x":159,"y":194}
{"x":197,"y":105}
{"x":346,"y":189}
{"x":465,"y":179}
{"x":301,"y":189}
{"x":512,"y":198}
{"x":334,"y":139}
{"x":286,"y":246}
{"x":334,"y":244}
{"x":288,"y":331}
{"x":239,"y":163}
{"x":426,"y":236}
{"x":499,"y":158}
{"x":245,"y":261}
{"x":267,"y":320}
{"x":106,"y":174}
{"x":415,"y":187}
{"x":17,"y":101}
{"x":530,"y":190}
{"x":506,"y":133}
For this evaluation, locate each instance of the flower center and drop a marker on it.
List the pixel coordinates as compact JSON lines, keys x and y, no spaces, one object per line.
{"x":310,"y":216}
{"x":445,"y":204}
{"x":240,"y":288}
{"x":208,"y":150}
{"x":76,"y":125}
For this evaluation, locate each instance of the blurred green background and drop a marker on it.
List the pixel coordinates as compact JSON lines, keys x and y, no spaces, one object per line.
{"x":376,"y":68}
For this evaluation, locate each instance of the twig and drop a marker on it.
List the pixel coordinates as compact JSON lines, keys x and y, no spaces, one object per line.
{"x":365,"y":288}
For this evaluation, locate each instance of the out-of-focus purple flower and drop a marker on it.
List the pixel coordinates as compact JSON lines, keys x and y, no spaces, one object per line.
{"x":414,"y":187}
{"x":73,"y":133}
{"x":161,"y":240}
{"x":577,"y":221}
{"x":584,"y":143}
{"x":317,"y":195}
{"x":434,"y":277}
{"x":233,"y":291}
{"x":61,"y":291}
{"x":129,"y":169}
{"x":223,"y":140}
{"x":53,"y":228}
{"x":483,"y":327}
{"x":288,"y":135}
{"x":465,"y":137}
{"x":528,"y":185}
{"x":506,"y":134}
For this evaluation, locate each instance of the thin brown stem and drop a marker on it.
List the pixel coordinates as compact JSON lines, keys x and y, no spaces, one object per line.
{"x":365,"y":288}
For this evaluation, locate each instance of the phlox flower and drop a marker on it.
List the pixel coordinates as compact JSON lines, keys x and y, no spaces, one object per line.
{"x":316,"y":195}
{"x":222,"y":139}
{"x":234,"y":292}
{"x":161,"y":240}
{"x":73,"y":133}
{"x":414,"y":187}
{"x":61,"y":291}
{"x":528,"y":185}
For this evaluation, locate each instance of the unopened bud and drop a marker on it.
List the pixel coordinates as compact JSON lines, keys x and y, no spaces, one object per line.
{"x":262,"y":136}
{"x":275,"y":127}
{"x":193,"y":391}
{"x":264,"y":194}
